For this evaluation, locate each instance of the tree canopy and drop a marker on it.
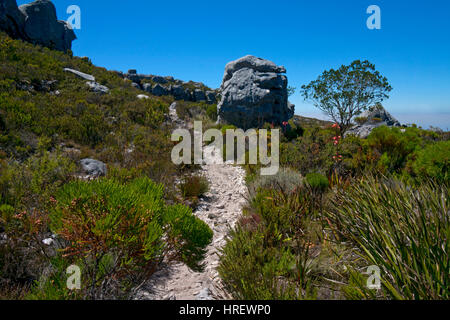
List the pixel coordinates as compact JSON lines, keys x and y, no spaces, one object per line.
{"x":344,"y":93}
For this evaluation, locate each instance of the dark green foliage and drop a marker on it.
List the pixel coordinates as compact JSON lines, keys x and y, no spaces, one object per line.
{"x":317,"y":182}
{"x":211,"y":111}
{"x":292,"y":131}
{"x":393,"y":146}
{"x":126,"y":222}
{"x":311,"y":152}
{"x":253,"y":272}
{"x":433,"y":162}
{"x":188,"y":235}
{"x":268,"y":254}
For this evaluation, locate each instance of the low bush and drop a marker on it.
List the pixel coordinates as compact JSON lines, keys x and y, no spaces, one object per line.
{"x":120,"y":233}
{"x":317,"y":182}
{"x":194,"y":186}
{"x":433,"y":161}
{"x":211,"y":112}
{"x":286,"y":179}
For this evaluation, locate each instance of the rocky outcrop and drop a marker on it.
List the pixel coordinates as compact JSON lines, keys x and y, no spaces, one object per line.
{"x":180,"y":93}
{"x":93,"y":168}
{"x":164,"y":86}
{"x":12,"y":20}
{"x":159,"y":90}
{"x":254,"y":91}
{"x":91,"y":83}
{"x":372,"y":118}
{"x":37,"y":23}
{"x":80,"y":74}
{"x":97,"y":87}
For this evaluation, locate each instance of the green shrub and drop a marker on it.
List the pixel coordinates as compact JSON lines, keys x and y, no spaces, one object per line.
{"x":211,"y":112}
{"x":391,"y":147}
{"x":194,"y":186}
{"x":116,"y":231}
{"x":433,"y":162}
{"x":293,"y":131}
{"x":251,"y":271}
{"x":313,"y":151}
{"x":286,"y":179}
{"x":402,"y":230}
{"x":317,"y":181}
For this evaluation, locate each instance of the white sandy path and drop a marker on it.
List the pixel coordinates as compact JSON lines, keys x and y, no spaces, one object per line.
{"x":220,"y":209}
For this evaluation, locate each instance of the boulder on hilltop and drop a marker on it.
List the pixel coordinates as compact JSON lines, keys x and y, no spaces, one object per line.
{"x":254,"y":91}
{"x":37,"y":23}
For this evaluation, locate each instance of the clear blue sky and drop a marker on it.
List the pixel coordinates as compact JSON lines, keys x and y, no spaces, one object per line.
{"x":193,"y":40}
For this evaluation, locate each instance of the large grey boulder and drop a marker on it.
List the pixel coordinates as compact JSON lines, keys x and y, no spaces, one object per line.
{"x":180,"y":93}
{"x":254,"y":91}
{"x":133,"y":77}
{"x":199,"y":95}
{"x":93,"y":168}
{"x":159,"y":90}
{"x":159,"y":79}
{"x":374,"y":117}
{"x":42,"y":26}
{"x":12,"y":20}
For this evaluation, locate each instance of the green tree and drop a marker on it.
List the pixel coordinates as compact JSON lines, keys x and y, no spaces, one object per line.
{"x":344,"y":93}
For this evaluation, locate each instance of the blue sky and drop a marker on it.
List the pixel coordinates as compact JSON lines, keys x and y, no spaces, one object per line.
{"x":193,"y":40}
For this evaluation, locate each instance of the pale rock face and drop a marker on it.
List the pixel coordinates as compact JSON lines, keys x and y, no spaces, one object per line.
{"x":80,"y":74}
{"x":97,"y":87}
{"x":376,"y":117}
{"x":254,"y":91}
{"x":93,"y":168}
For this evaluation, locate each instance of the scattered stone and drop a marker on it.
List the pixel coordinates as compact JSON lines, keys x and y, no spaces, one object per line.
{"x":205,"y":294}
{"x":96,"y":87}
{"x":80,"y":74}
{"x":48,"y":241}
{"x":211,"y":216}
{"x":147,"y":87}
{"x":142,"y":96}
{"x":164,"y":86}
{"x":136,"y":85}
{"x":93,"y":168}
